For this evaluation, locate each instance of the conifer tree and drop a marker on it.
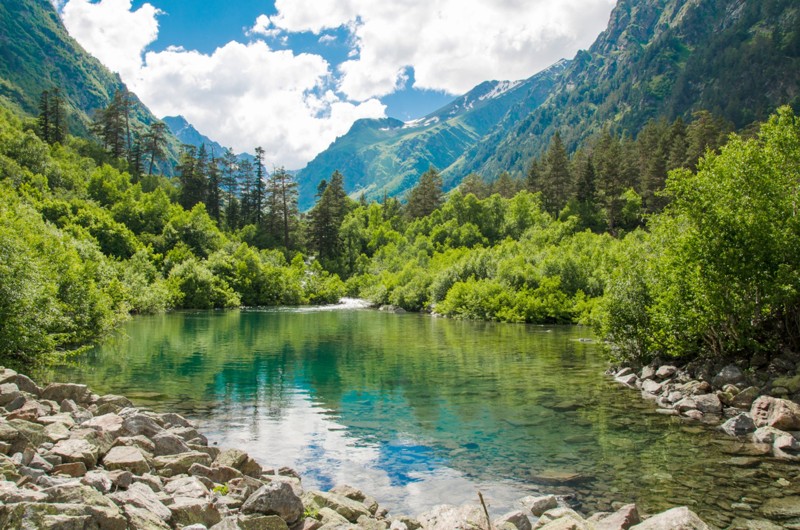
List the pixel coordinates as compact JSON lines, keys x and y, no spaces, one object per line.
{"x":245,"y":175}
{"x":426,"y":196}
{"x":52,"y":119}
{"x":155,"y":144}
{"x":214,"y":194}
{"x":259,"y":187}
{"x":326,"y":217}
{"x":474,"y":184}
{"x":282,"y":199}
{"x":230,"y":187}
{"x":555,"y":177}
{"x":192,"y":180}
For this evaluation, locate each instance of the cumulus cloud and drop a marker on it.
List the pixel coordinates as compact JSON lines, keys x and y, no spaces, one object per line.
{"x":452,"y":45}
{"x":248,"y":95}
{"x":113,"y":32}
{"x":242,"y":95}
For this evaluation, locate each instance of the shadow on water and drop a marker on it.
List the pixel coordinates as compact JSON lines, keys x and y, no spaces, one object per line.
{"x":420,"y":411}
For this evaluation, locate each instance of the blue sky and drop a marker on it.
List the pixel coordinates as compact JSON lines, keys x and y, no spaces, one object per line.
{"x":292,"y":75}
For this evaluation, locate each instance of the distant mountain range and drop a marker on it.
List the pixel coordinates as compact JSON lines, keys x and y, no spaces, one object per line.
{"x":739,"y":59}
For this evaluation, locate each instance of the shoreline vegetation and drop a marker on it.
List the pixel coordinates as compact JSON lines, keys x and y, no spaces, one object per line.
{"x":74,"y":459}
{"x":688,"y":272}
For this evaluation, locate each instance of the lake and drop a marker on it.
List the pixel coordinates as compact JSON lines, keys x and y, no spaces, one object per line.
{"x":419,"y":411}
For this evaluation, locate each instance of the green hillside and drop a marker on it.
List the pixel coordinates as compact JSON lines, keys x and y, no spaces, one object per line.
{"x":659,"y":58}
{"x":37,"y":54}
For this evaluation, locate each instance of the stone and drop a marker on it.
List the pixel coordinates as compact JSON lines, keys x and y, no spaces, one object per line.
{"x":409,"y":522}
{"x":180,"y":463}
{"x":648,"y":372}
{"x":349,"y":491}
{"x":786,"y":447}
{"x":330,"y":517}
{"x":665,"y":372}
{"x":277,"y":498}
{"x":239,"y":460}
{"x":143,"y":497}
{"x":347,"y":508}
{"x":126,"y":458}
{"x":243,"y":487}
{"x":172,"y":419}
{"x":216,"y":474}
{"x":782,"y":507}
{"x":187,"y":487}
{"x":26,"y":384}
{"x":34,"y":433}
{"x":729,"y":375}
{"x":447,"y":517}
{"x":651,"y":387}
{"x":774,"y":412}
{"x":166,"y":443}
{"x":109,"y":423}
{"x":517,"y":519}
{"x":76,"y":450}
{"x":114,"y":402}
{"x":58,"y":392}
{"x":561,"y":519}
{"x":681,"y":518}
{"x":104,"y":511}
{"x":538,"y":505}
{"x":56,"y":432}
{"x":61,"y":516}
{"x":766,"y":435}
{"x":622,"y":519}
{"x":141,"y":519}
{"x":189,"y":435}
{"x":142,"y":442}
{"x":745,"y":398}
{"x":121,"y":478}
{"x":98,"y":479}
{"x":72,"y":469}
{"x":262,"y":522}
{"x":557,"y":477}
{"x":10,"y":493}
{"x":708,"y":404}
{"x":153,"y":482}
{"x":7,"y":375}
{"x":792,"y":384}
{"x":188,"y":511}
{"x":627,"y":380}
{"x":135,"y":424}
{"x":740,"y":425}
{"x":623,"y":372}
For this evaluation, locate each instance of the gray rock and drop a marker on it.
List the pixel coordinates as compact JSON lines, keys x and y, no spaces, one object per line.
{"x":276,"y":498}
{"x":188,"y":511}
{"x":63,"y":516}
{"x":538,"y":505}
{"x":135,"y":424}
{"x":216,"y":474}
{"x":740,"y":425}
{"x":126,"y":458}
{"x":708,"y":404}
{"x":103,"y":509}
{"x":648,"y":372}
{"x":651,"y":387}
{"x":187,"y":487}
{"x":745,"y":398}
{"x":109,"y":423}
{"x":142,"y":496}
{"x":98,"y":479}
{"x":58,"y":392}
{"x":142,"y":442}
{"x":730,"y":375}
{"x":665,"y":372}
{"x":446,"y":517}
{"x":171,"y":419}
{"x":681,"y":518}
{"x":76,"y":450}
{"x":517,"y":519}
{"x":627,"y":380}
{"x":140,"y":518}
{"x":171,"y":465}
{"x":166,"y":443}
{"x":622,"y":519}
{"x":773,"y":412}
{"x":561,"y":519}
{"x":25,"y":384}
{"x":782,"y":507}
{"x":261,"y":522}
{"x":10,"y":493}
{"x":623,"y":372}
{"x":349,"y":491}
{"x":239,"y":460}
{"x":786,"y":447}
{"x":73,"y":469}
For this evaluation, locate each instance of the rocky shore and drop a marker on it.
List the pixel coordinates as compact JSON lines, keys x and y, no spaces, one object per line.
{"x":72,"y":459}
{"x":766,"y":424}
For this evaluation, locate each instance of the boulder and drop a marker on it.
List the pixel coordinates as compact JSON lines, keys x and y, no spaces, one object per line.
{"x":127,"y":458}
{"x":72,"y":469}
{"x":239,"y":460}
{"x":623,"y":372}
{"x":665,"y":372}
{"x":143,"y":497}
{"x":708,"y":404}
{"x":76,"y":450}
{"x":171,"y":465}
{"x":681,"y":518}
{"x":108,"y":423}
{"x":277,"y":498}
{"x":189,"y":511}
{"x":447,"y":517}
{"x":622,"y":519}
{"x":561,"y":519}
{"x":538,"y":505}
{"x":98,"y":479}
{"x":172,"y":419}
{"x":648,"y":372}
{"x":103,"y":509}
{"x":740,"y":425}
{"x":142,"y":519}
{"x":730,"y":375}
{"x":262,"y":522}
{"x":782,"y":507}
{"x":349,"y":491}
{"x":516,"y":519}
{"x":651,"y":387}
{"x":786,"y":447}
{"x":627,"y":380}
{"x":165,"y":443}
{"x":186,"y":487}
{"x":745,"y":398}
{"x":216,"y":474}
{"x":10,"y":493}
{"x":25,"y":384}
{"x":135,"y":424}
{"x":774,"y":412}
{"x":58,"y":392}
{"x":142,"y":442}
{"x":63,"y":516}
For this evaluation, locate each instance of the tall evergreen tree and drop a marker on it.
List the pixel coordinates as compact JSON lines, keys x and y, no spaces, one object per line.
{"x":230,"y":187}
{"x":474,"y":184}
{"x":282,"y":198}
{"x":555,"y":178}
{"x":111,"y":125}
{"x":259,"y":188}
{"x":426,"y":196}
{"x":155,"y":144}
{"x":214,"y":194}
{"x":245,"y":175}
{"x":191,"y":178}
{"x":326,"y":217}
{"x":52,"y":120}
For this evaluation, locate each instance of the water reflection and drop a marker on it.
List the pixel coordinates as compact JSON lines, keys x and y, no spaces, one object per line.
{"x":420,"y":411}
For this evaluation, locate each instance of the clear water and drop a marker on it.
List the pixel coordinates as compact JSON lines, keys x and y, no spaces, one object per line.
{"x":420,"y":411}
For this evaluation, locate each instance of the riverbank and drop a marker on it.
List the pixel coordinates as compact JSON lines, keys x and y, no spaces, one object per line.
{"x":74,"y":459}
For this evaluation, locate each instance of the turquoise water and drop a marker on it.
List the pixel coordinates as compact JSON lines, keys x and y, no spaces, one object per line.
{"x":420,"y":411}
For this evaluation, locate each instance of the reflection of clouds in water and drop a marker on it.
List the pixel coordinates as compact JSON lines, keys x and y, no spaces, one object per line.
{"x":404,"y":475}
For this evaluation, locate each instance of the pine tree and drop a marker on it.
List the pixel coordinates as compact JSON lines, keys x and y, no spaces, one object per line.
{"x":191,"y":178}
{"x":155,"y":144}
{"x":505,"y":186}
{"x":282,"y":199}
{"x":474,"y":184}
{"x":326,"y":217}
{"x":230,"y":187}
{"x":52,"y":120}
{"x":214,"y":194}
{"x":533,"y":179}
{"x":111,"y":125}
{"x":555,"y":177}
{"x":259,"y":188}
{"x":245,"y":177}
{"x":426,"y":196}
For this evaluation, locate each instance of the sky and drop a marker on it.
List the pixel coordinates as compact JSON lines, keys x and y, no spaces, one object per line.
{"x":293,"y":75}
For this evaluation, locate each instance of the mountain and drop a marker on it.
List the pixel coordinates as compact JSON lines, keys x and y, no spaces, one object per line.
{"x":739,"y":59}
{"x":37,"y":54}
{"x":379,"y":156}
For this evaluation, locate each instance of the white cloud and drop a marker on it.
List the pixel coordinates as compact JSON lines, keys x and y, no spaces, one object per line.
{"x":452,"y":44}
{"x":113,"y":33}
{"x":241,"y":95}
{"x":327,"y":39}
